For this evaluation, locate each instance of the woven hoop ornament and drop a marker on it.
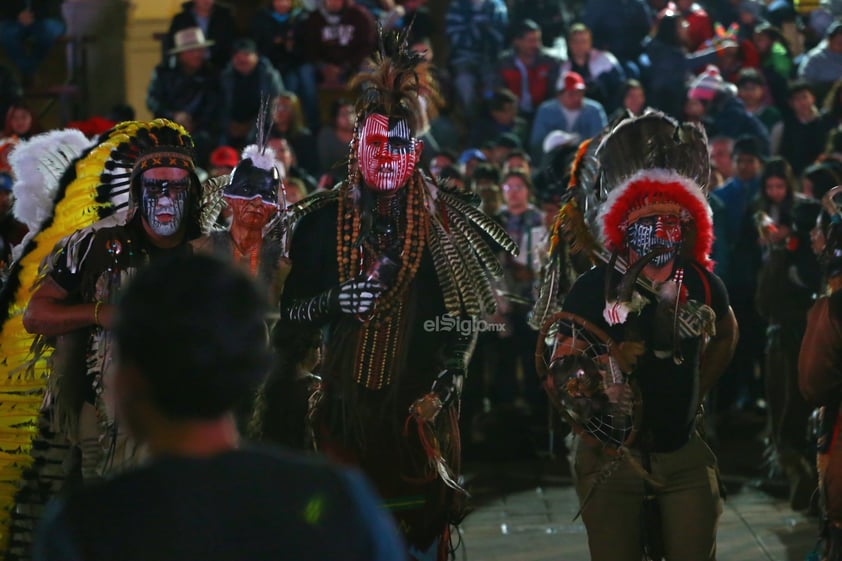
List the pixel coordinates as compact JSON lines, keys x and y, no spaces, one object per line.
{"x":576,"y":381}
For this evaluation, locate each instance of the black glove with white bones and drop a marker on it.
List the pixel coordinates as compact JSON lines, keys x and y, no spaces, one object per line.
{"x":356,"y":296}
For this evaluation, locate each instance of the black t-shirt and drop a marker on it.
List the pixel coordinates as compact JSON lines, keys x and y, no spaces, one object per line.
{"x":258,"y":504}
{"x":670,"y":391}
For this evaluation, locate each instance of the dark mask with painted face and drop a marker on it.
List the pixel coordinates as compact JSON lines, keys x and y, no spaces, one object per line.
{"x":163,"y":202}
{"x":387,"y":152}
{"x":249,"y":181}
{"x":652,"y":232}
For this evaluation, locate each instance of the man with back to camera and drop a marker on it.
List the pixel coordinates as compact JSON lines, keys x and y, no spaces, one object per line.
{"x":199,"y":495}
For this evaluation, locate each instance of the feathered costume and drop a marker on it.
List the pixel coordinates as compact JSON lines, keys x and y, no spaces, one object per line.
{"x":622,"y":360}
{"x":65,"y":184}
{"x":379,"y":410}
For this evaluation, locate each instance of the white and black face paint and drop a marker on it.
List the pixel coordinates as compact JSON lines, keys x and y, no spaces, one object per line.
{"x":387,"y":152}
{"x":163,"y":203}
{"x":651,"y":232}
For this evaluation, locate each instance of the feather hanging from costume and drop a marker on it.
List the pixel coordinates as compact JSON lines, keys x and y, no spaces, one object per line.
{"x":464,"y":260}
{"x":212,"y":201}
{"x":94,"y":185}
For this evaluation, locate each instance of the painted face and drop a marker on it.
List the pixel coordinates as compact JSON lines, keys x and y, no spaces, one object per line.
{"x":387,"y":153}
{"x":650,"y":232}
{"x":163,"y":199}
{"x":252,"y":213}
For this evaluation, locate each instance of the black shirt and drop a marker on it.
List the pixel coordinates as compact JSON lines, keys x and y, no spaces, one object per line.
{"x":670,"y":392}
{"x":240,"y":505}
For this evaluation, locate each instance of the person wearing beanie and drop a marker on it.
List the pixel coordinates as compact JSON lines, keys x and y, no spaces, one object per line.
{"x":724,"y":112}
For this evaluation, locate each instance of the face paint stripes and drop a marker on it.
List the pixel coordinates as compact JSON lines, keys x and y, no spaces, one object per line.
{"x":652,"y":232}
{"x":386,"y":152}
{"x":163,"y":205}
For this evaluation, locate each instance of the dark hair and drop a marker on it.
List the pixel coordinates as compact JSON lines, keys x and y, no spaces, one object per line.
{"x":747,"y":144}
{"x":780,"y":168}
{"x":775,"y":34}
{"x":750,"y":76}
{"x":824,"y":176}
{"x":120,"y":112}
{"x":518,"y":153}
{"x":798,"y":86}
{"x":832,"y":104}
{"x":523,"y":27}
{"x":630,"y":84}
{"x":500,"y":98}
{"x":666,"y":31}
{"x":195,"y":328}
{"x":486,"y":170}
{"x":451,"y":172}
{"x":447,"y":153}
{"x":519,"y":173}
{"x":337,"y":106}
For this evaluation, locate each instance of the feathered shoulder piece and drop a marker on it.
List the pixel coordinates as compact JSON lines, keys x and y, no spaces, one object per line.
{"x":464,"y":243}
{"x":394,"y":80}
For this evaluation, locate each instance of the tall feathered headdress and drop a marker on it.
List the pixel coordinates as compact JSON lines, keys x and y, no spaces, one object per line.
{"x":397,"y":82}
{"x":652,"y":164}
{"x":72,"y":185}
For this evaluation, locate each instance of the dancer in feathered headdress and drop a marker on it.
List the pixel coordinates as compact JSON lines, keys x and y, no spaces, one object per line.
{"x":103,"y":211}
{"x":397,"y":267}
{"x":666,"y":331}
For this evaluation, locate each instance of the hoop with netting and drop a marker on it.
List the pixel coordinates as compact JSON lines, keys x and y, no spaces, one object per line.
{"x":575,"y":360}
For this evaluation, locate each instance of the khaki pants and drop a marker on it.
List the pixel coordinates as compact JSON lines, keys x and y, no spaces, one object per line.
{"x":689,"y":502}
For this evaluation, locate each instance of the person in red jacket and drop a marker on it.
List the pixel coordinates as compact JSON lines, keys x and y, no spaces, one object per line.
{"x":527,"y":69}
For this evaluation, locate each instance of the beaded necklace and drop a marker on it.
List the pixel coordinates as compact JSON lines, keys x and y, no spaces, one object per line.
{"x":381,"y":334}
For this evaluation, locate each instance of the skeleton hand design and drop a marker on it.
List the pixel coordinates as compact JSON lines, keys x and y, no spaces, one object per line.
{"x":350,"y":297}
{"x":358,"y":296}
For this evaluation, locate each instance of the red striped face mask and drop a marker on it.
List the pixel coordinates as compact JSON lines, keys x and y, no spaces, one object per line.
{"x":387,"y":152}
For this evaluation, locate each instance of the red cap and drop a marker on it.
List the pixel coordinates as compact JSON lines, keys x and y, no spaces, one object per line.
{"x":569,"y":81}
{"x":224,"y":156}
